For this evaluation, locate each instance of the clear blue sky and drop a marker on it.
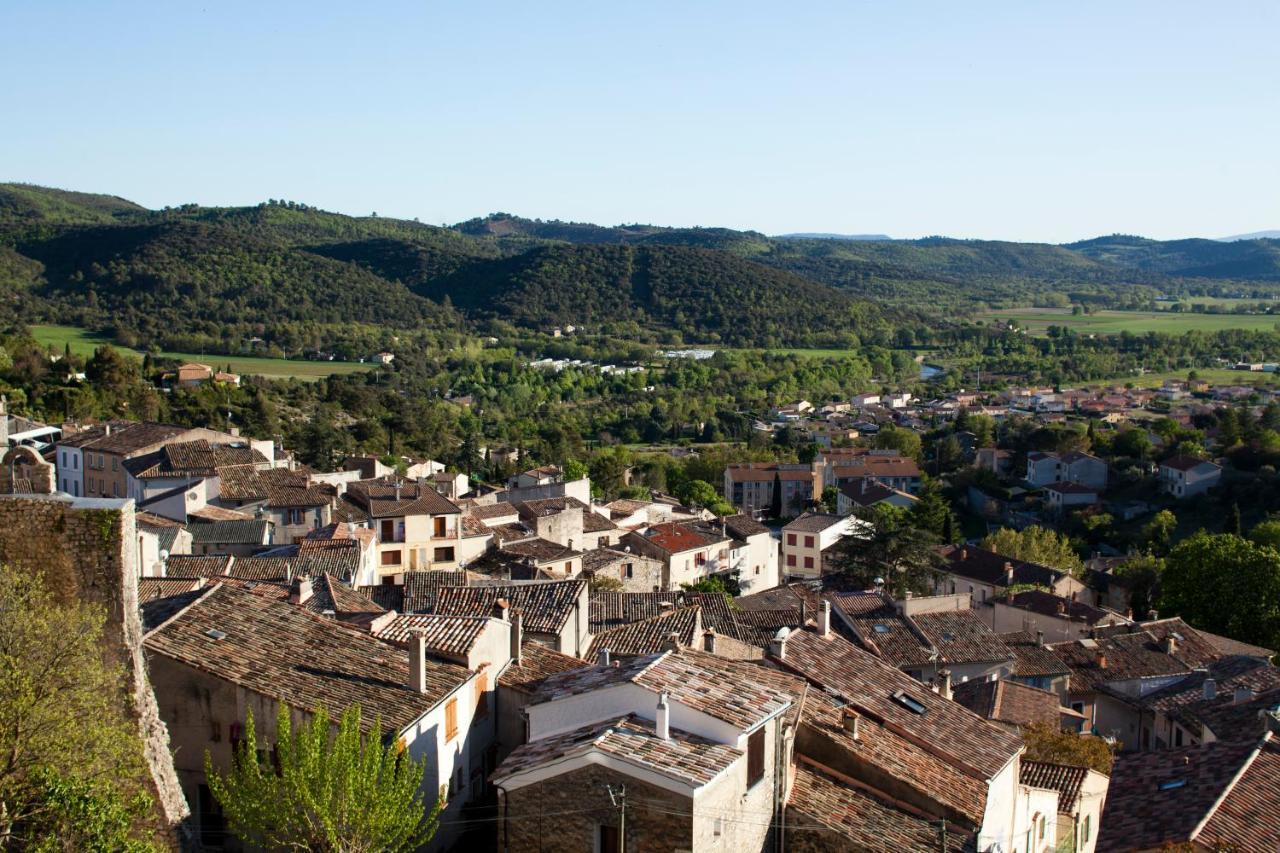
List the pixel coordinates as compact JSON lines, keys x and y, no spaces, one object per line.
{"x":1022,"y":120}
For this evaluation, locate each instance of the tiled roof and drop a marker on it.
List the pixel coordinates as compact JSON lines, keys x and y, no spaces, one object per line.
{"x":742,"y":526}
{"x":485,"y":512}
{"x":759,"y":626}
{"x":1008,"y":702}
{"x":161,"y":598}
{"x":740,"y":693}
{"x":962,"y":637}
{"x":612,"y":609}
{"x":854,"y":817}
{"x":1048,"y":604}
{"x":342,"y":563}
{"x":421,"y":589}
{"x":1228,"y":646}
{"x":260,"y":568}
{"x":540,"y":550}
{"x":188,"y":566}
{"x":1185,"y":463}
{"x":812,"y":522}
{"x":675,"y":537}
{"x":1030,"y":659}
{"x":543,"y":507}
{"x":882,"y":630}
{"x":1190,"y":646}
{"x":684,"y":756}
{"x":537,"y":663}
{"x":386,"y":500}
{"x":250,"y":532}
{"x":650,"y":635}
{"x":1227,"y":718}
{"x":1063,"y":778}
{"x":196,"y":458}
{"x":390,"y":596}
{"x":887,"y":751}
{"x":988,"y":567}
{"x":450,"y":636}
{"x":1094,"y":663}
{"x":546,"y":606}
{"x":871,"y":685}
{"x":210,"y":512}
{"x":124,"y":440}
{"x":279,"y":650}
{"x":1171,"y":797}
{"x":330,"y":595}
{"x":279,"y":487}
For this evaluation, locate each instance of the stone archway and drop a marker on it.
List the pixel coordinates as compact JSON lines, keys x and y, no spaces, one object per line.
{"x":24,"y":471}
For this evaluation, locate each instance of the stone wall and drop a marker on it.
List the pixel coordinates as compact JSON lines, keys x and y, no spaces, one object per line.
{"x":563,"y":814}
{"x":23,"y":471}
{"x":86,"y":549}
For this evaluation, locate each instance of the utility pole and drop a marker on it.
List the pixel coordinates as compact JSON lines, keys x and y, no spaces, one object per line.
{"x":619,"y":800}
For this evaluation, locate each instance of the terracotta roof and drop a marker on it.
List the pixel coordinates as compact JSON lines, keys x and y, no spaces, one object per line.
{"x":959,"y":736}
{"x":1048,"y":604}
{"x":342,"y":563}
{"x":988,"y":567}
{"x":193,"y":458}
{"x":1030,"y":659}
{"x":1215,"y":794}
{"x":330,"y":595}
{"x":848,"y":816}
{"x":537,"y":663}
{"x":421,"y":589}
{"x":279,"y":650}
{"x":683,"y":756}
{"x":485,"y":512}
{"x":390,"y":596}
{"x":650,"y":635}
{"x":741,"y":526}
{"x":962,"y":637}
{"x":278,"y":487}
{"x":1063,"y":778}
{"x":210,"y":512}
{"x":1190,"y":646}
{"x":1093,"y":663}
{"x":1227,"y":717}
{"x":675,"y":537}
{"x":1185,"y":463}
{"x":612,"y":609}
{"x":132,"y":437}
{"x":546,"y":605}
{"x":187,"y":566}
{"x":380,"y":499}
{"x":740,"y":693}
{"x":242,"y":532}
{"x":540,"y":550}
{"x":1228,"y":646}
{"x":450,"y":636}
{"x":1008,"y":702}
{"x":260,"y":568}
{"x":812,"y":522}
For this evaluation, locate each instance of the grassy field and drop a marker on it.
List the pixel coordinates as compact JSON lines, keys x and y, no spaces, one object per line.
{"x":1038,"y":320}
{"x":1212,"y":375}
{"x":83,"y":343}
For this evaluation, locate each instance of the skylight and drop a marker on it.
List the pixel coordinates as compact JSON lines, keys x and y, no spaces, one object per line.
{"x":881,"y":629}
{"x":1172,"y":784}
{"x":215,"y":634}
{"x":915,"y":706}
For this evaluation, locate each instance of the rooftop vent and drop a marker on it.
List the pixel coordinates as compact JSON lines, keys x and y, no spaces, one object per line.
{"x":1173,"y":784}
{"x":215,"y":634}
{"x":881,"y":629}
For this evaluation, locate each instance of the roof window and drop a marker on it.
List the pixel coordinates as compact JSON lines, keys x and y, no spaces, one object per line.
{"x":915,"y":706}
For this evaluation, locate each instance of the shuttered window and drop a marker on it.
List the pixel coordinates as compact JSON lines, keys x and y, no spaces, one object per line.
{"x":451,"y":720}
{"x":755,"y":757}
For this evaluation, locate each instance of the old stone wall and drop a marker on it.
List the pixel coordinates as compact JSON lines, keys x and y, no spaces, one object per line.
{"x":564,"y":814}
{"x":86,"y":550}
{"x":23,"y":471}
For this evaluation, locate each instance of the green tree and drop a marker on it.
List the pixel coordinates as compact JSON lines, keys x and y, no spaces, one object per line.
{"x":1050,"y":744}
{"x":1158,"y":532}
{"x":1141,"y":576}
{"x":830,"y":499}
{"x":775,"y":505}
{"x":1226,"y":585}
{"x":1233,"y":521}
{"x":1036,"y":545}
{"x":698,"y":493}
{"x":905,"y":441}
{"x":342,"y":793}
{"x":575,"y":470}
{"x":1266,"y":533}
{"x":1132,"y":442}
{"x":932,"y":512}
{"x":68,"y":749}
{"x":890,"y":550}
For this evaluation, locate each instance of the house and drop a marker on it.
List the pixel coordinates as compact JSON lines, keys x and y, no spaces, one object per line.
{"x":1187,"y":476}
{"x":1035,"y":664}
{"x":985,"y":574}
{"x":567,"y":521}
{"x":294,"y":504}
{"x":417,"y":527}
{"x":749,"y":486}
{"x":191,"y":374}
{"x":807,"y":542}
{"x":636,"y":572}
{"x":241,"y":538}
{"x":90,"y":462}
{"x":1081,"y":793}
{"x":1062,"y":497}
{"x":546,"y":481}
{"x":995,"y":460}
{"x":843,"y":467}
{"x":688,"y":551}
{"x":701,"y":741}
{"x":1010,"y":703}
{"x":753,"y":553}
{"x":1218,"y":796}
{"x":231,"y":652}
{"x":384,"y":357}
{"x":555,"y":613}
{"x":1054,"y":616}
{"x":865,"y":493}
{"x":1071,"y":467}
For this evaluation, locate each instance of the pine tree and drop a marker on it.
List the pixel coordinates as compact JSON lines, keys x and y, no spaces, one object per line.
{"x":775,"y":506}
{"x":1233,"y":521}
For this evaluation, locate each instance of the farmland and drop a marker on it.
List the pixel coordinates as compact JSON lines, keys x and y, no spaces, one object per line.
{"x":1038,"y":320}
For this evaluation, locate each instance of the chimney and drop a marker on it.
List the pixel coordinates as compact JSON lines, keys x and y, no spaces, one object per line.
{"x":1210,"y":689}
{"x":1169,"y":644}
{"x":1039,"y":638}
{"x":106,"y":429}
{"x":397,"y":490}
{"x":602,"y":657}
{"x":1102,"y":661}
{"x":662,"y":719}
{"x":673,"y":643}
{"x":964,"y":553}
{"x":945,"y":677}
{"x":1008,"y":574}
{"x":804,"y":615}
{"x":824,"y":619}
{"x":709,"y":642}
{"x":517,"y":638}
{"x":1242,"y":695}
{"x":1062,"y":608}
{"x":849,"y":721}
{"x":778,"y":646}
{"x":501,"y":609}
{"x":301,"y":591}
{"x":418,"y":663}
{"x":1153,"y":615}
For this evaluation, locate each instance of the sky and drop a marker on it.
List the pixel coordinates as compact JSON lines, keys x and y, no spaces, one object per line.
{"x":1023,"y":120}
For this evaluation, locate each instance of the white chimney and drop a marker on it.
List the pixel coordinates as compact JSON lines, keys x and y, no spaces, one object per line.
{"x":778,"y":646}
{"x":418,"y":663}
{"x":945,"y":687}
{"x":1039,"y":638}
{"x":602,"y":657}
{"x":301,"y":592}
{"x":824,"y":619}
{"x":1008,"y":574}
{"x":662,"y":719}
{"x":517,"y":638}
{"x":1210,"y":688}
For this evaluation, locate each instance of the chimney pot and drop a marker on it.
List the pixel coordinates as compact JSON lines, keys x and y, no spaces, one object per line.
{"x":662,"y":719}
{"x":709,"y":642}
{"x":418,"y":663}
{"x":824,"y":619}
{"x":301,"y":593}
{"x":602,"y":657}
{"x":778,"y":646}
{"x":517,"y":638}
{"x":849,"y":720}
{"x":1102,"y":661}
{"x":945,"y":678}
{"x":1170,"y":645}
{"x":1210,"y":689}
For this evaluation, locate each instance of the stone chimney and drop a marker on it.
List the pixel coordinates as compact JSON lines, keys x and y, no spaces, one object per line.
{"x":1039,"y":638}
{"x":1169,"y":644}
{"x":1102,"y":660}
{"x":709,"y":642}
{"x":1008,"y":574}
{"x":418,"y":663}
{"x":301,"y":592}
{"x":397,"y":490}
{"x":778,"y":645}
{"x":824,"y":619}
{"x":849,"y":722}
{"x":1242,"y":695}
{"x":1153,"y":615}
{"x":944,"y":685}
{"x":673,"y":643}
{"x":602,"y":657}
{"x":501,"y":609}
{"x":662,"y":719}
{"x":1210,"y":689}
{"x":517,"y":638}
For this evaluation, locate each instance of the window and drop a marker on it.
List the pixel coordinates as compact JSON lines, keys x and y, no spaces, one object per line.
{"x":808,"y":562}
{"x":1177,"y":736}
{"x":451,"y":720}
{"x":482,"y":698}
{"x":628,"y":571}
{"x":76,"y":460}
{"x":1078,"y":707}
{"x":791,"y":560}
{"x":808,"y":541}
{"x":387,"y":533}
{"x":568,"y":568}
{"x":607,"y":838}
{"x":915,"y":706}
{"x":297,"y":516}
{"x":443,"y":555}
{"x":791,"y":539}
{"x":439,"y":522}
{"x":115,"y":463}
{"x":391,"y":558}
{"x":1086,"y":827}
{"x":755,"y":757}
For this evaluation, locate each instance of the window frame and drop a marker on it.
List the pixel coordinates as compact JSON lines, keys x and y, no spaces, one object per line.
{"x":451,"y":719}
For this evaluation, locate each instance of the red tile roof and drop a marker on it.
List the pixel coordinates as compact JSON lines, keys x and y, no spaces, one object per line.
{"x":1063,"y":778}
{"x":676,"y":537}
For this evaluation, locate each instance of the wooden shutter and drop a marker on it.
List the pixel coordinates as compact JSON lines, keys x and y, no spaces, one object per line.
{"x":451,"y":720}
{"x":755,"y":757}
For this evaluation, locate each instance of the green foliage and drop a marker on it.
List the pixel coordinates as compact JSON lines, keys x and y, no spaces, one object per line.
{"x":714,"y":584}
{"x":1036,"y":545}
{"x":904,"y":557}
{"x":830,"y":499}
{"x":72,"y":759}
{"x":932,"y":512}
{"x":575,"y":470}
{"x":1226,"y":585}
{"x":1266,"y":534}
{"x":1158,"y":533}
{"x":1051,"y":744}
{"x":321,"y":791}
{"x":905,"y":441}
{"x":1142,"y":575}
